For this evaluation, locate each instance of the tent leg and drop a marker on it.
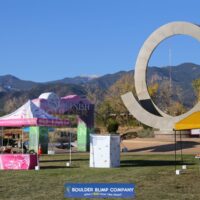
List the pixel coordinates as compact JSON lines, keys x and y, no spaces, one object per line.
{"x":2,"y":136}
{"x":175,"y":148}
{"x":181,"y":147}
{"x":70,"y":150}
{"x":22,"y":140}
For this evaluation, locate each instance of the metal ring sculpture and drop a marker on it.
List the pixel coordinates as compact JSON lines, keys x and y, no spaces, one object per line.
{"x":147,"y":112}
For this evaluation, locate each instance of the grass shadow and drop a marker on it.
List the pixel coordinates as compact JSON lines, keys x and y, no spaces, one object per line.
{"x":168,"y":147}
{"x":64,"y":160}
{"x":57,"y":167}
{"x":52,"y":167}
{"x":152,"y":163}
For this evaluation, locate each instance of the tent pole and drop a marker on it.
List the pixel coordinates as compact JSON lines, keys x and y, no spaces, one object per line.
{"x":70,"y":150}
{"x":37,"y":153}
{"x":22,"y":141}
{"x":175,"y":148}
{"x":181,"y":147}
{"x":2,"y":138}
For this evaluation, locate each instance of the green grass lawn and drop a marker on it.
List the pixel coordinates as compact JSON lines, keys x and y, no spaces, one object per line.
{"x":153,"y":175}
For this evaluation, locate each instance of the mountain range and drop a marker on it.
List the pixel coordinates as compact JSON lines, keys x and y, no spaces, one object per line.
{"x":14,"y":91}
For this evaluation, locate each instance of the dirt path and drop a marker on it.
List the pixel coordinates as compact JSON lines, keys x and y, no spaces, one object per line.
{"x":162,"y":146}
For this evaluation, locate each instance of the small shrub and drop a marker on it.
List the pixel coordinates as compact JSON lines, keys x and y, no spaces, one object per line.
{"x":146,"y":127}
{"x":146,"y":133}
{"x":112,"y":126}
{"x":97,"y":130}
{"x":128,"y":135}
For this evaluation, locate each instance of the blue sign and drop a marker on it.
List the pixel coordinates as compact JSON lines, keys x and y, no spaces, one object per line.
{"x":99,"y":190}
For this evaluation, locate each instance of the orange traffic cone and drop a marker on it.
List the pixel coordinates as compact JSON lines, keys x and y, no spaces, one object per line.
{"x":40,"y":150}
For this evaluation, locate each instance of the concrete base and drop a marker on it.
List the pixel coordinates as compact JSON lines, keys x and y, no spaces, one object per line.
{"x":169,"y":134}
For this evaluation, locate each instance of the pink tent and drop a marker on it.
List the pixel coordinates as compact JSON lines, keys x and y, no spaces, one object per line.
{"x":31,"y":115}
{"x":53,"y":104}
{"x":27,"y":115}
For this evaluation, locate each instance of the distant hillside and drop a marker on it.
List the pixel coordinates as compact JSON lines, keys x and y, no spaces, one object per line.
{"x":98,"y":88}
{"x":10,"y":83}
{"x":78,"y":80}
{"x":14,"y":92}
{"x":104,"y":82}
{"x":93,"y":87}
{"x":11,"y":100}
{"x":181,"y":81}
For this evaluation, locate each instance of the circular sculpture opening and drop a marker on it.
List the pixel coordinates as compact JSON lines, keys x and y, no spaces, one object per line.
{"x":170,"y":72}
{"x":164,"y":32}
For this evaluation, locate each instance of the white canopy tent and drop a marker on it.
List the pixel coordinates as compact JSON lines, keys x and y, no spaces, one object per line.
{"x":30,"y":115}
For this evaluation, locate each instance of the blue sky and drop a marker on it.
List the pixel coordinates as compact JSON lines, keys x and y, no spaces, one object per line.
{"x":45,"y":40}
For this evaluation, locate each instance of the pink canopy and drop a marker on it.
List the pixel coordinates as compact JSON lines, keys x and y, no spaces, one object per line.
{"x":31,"y":115}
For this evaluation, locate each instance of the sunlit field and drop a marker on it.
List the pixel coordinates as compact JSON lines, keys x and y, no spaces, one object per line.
{"x":153,"y":175}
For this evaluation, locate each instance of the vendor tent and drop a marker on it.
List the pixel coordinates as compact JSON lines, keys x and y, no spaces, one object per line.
{"x":27,"y":115}
{"x":190,"y":122}
{"x":30,"y":115}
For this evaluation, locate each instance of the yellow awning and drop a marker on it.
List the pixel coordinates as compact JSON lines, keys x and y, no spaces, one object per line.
{"x":190,"y":122}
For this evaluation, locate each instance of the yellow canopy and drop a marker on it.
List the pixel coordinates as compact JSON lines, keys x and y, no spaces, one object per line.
{"x":190,"y":122}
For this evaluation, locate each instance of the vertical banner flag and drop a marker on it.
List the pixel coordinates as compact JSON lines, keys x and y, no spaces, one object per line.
{"x":82,"y":136}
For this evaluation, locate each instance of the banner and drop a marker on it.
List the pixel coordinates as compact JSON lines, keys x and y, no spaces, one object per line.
{"x":33,"y":138}
{"x":18,"y":161}
{"x":99,"y":190}
{"x":82,"y":136}
{"x":38,"y":135}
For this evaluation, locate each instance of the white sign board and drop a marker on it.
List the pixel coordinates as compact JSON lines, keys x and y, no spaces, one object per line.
{"x":104,"y":151}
